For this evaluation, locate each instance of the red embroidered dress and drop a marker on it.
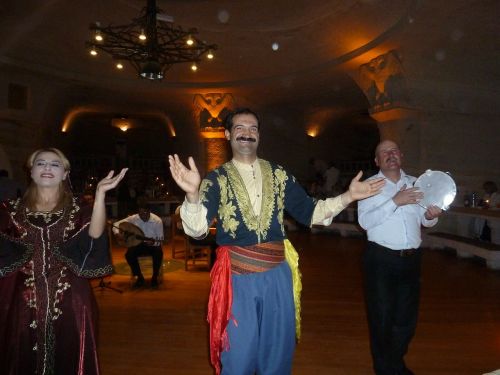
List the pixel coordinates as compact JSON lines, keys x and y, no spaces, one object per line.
{"x":47,"y":309}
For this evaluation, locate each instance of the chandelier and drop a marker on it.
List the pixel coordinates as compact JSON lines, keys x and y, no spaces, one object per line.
{"x":151,"y":43}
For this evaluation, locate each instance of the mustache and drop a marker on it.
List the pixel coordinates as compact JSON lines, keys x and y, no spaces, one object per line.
{"x":246,"y":139}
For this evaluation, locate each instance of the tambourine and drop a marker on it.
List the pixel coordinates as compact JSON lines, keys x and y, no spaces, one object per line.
{"x":438,"y":187}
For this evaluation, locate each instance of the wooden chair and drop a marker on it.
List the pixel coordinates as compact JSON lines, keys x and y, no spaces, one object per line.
{"x":197,"y":253}
{"x":176,"y":235}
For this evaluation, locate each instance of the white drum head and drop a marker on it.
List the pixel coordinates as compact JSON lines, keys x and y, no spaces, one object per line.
{"x":438,"y":187}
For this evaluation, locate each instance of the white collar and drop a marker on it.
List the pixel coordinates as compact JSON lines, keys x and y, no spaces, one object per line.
{"x":244,"y":166}
{"x":402,"y":176}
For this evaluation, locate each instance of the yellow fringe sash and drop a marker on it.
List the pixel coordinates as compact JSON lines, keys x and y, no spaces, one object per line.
{"x":292,"y":258}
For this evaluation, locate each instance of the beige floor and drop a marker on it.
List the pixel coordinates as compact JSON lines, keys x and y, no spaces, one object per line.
{"x":164,"y":331}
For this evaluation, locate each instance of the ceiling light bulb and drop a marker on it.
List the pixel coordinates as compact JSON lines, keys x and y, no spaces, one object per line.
{"x":93,"y":52}
{"x":98,"y":36}
{"x":119,"y":65}
{"x":133,"y":42}
{"x":210,"y":55}
{"x":194,"y":68}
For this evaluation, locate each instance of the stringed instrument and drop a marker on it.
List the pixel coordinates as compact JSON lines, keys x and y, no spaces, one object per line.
{"x":131,"y":235}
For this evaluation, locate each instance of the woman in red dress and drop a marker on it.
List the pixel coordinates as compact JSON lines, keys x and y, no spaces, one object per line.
{"x":50,"y":246}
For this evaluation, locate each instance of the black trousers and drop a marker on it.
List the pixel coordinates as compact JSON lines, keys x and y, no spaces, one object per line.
{"x":134,"y":252}
{"x":392,"y":294}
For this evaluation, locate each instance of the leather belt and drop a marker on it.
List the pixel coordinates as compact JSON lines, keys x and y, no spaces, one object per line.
{"x":403,"y":253}
{"x":398,"y":253}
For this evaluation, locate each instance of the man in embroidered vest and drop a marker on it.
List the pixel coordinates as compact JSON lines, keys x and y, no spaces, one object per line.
{"x":254,"y":311}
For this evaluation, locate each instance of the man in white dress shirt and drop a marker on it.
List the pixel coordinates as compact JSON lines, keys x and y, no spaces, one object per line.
{"x":493,"y":203}
{"x":152,"y":227}
{"x":391,"y":262}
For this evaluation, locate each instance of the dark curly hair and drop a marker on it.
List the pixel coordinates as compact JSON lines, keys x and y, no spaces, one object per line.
{"x":228,"y":121}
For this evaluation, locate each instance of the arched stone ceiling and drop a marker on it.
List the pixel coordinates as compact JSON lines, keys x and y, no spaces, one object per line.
{"x":322,"y":43}
{"x":316,"y":39}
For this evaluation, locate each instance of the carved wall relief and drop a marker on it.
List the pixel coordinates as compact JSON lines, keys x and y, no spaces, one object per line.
{"x":383,"y":81}
{"x":211,"y":108}
{"x":209,"y":111}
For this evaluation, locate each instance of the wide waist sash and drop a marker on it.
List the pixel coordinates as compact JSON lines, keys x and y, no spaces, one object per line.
{"x":256,"y":258}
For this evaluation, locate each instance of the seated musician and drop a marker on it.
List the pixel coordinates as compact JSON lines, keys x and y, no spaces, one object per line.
{"x":152,"y":226}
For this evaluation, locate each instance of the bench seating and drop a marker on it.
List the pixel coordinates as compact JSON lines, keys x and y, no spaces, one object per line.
{"x":465,"y":247}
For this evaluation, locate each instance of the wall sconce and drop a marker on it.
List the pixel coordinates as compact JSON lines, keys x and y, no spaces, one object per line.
{"x":312,"y":131}
{"x":122,"y":123}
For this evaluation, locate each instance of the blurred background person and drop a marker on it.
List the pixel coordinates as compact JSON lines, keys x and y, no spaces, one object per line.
{"x":9,"y":189}
{"x":491,"y":201}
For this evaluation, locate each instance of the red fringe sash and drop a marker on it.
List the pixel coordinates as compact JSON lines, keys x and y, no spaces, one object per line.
{"x":219,"y":306}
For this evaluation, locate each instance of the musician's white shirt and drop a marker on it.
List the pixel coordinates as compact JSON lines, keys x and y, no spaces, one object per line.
{"x":153,"y":228}
{"x":397,"y":228}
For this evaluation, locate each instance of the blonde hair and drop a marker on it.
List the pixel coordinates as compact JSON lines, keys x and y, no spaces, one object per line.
{"x":65,"y":198}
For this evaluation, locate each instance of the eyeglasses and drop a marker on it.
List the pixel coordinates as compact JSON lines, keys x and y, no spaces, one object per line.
{"x":45,"y":163}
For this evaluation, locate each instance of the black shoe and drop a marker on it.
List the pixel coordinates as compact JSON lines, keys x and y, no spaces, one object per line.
{"x":154,"y":283}
{"x":139,"y":282}
{"x":405,"y":371}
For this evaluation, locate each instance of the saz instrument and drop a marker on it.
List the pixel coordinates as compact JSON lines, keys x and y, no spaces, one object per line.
{"x":130,"y":235}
